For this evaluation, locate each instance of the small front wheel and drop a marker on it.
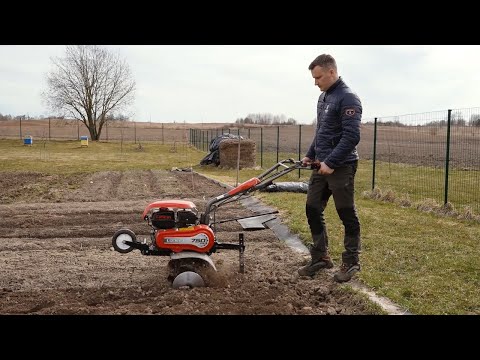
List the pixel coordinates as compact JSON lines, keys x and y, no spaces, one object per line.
{"x":119,"y":238}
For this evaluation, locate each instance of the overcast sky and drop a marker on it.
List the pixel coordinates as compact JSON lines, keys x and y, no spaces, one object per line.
{"x":221,"y":83}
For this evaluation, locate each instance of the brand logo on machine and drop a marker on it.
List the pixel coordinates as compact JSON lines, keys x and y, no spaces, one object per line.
{"x":199,"y":240}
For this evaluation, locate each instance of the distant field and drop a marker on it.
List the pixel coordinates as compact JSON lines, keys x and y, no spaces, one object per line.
{"x":414,"y":145}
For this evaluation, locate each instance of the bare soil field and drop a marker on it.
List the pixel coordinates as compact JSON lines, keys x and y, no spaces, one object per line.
{"x":57,"y":257}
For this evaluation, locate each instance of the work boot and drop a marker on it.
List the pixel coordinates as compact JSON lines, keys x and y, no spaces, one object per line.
{"x":346,"y":272}
{"x":315,"y":265}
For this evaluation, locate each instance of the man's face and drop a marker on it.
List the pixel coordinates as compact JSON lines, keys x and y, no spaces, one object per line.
{"x":324,"y":78}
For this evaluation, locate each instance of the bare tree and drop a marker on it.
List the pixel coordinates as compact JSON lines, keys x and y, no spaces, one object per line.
{"x":89,"y":84}
{"x":474,"y":120}
{"x":457,"y":118}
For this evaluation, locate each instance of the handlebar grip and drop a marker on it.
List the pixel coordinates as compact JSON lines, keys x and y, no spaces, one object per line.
{"x":310,"y":166}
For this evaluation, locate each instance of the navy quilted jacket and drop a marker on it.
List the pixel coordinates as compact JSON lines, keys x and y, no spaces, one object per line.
{"x":339,"y":113}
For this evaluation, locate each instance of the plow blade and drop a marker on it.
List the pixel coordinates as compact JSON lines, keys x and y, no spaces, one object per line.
{"x":255,"y":222}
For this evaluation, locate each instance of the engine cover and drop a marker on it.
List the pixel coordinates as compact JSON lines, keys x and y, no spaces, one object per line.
{"x":170,"y":214}
{"x":199,"y":238}
{"x":163,"y":219}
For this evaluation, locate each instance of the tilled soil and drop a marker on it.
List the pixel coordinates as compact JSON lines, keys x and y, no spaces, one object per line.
{"x":56,"y":252}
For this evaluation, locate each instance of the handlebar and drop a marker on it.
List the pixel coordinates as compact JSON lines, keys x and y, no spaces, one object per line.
{"x":257,"y":183}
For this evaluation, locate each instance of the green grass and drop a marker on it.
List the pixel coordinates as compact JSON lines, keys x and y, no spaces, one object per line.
{"x":66,"y":157}
{"x":426,"y":263}
{"x":419,"y":183}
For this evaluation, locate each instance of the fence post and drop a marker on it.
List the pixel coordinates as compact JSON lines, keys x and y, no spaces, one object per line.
{"x":299,"y":145}
{"x":261,"y":147}
{"x":278,"y":140}
{"x":447,"y":155}
{"x":238,"y":156}
{"x":49,"y":129}
{"x":135,"y":131}
{"x":374,"y":152}
{"x":20,"y":118}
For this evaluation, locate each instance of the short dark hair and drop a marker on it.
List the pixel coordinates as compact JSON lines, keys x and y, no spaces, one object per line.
{"x":324,"y":60}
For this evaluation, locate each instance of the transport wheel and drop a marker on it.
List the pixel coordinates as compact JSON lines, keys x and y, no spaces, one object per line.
{"x":119,"y":238}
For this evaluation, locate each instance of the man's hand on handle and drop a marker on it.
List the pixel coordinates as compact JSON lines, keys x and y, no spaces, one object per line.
{"x":323,"y":169}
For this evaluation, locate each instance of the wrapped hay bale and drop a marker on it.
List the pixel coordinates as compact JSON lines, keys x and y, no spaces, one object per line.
{"x":229,"y":153}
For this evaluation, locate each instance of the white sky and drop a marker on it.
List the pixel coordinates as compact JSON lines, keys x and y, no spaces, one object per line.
{"x":221,"y":83}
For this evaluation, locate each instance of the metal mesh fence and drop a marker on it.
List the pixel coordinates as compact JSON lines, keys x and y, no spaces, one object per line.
{"x":61,"y":129}
{"x":418,"y":157}
{"x":434,"y":155}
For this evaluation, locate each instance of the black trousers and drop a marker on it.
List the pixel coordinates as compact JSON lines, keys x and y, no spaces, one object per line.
{"x":340,"y":184}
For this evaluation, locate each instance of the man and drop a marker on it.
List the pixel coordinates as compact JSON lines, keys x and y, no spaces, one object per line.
{"x":333,"y":149}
